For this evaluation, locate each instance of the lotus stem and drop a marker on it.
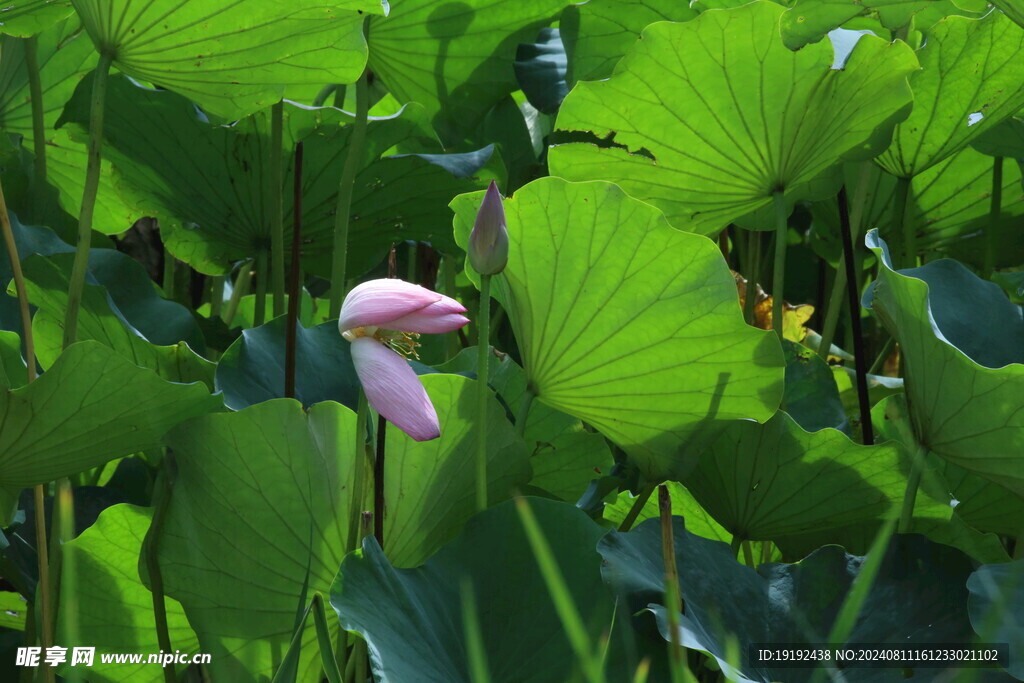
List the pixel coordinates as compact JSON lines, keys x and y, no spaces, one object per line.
{"x":753,"y":255}
{"x":638,"y":505}
{"x":991,"y":245}
{"x":913,"y":482}
{"x":779,"y":272}
{"x":276,"y":207}
{"x":859,"y":351}
{"x":260,"y":308}
{"x":35,"y":89}
{"x":482,"y":359}
{"x":151,"y":545}
{"x":378,"y":482}
{"x":673,"y":601}
{"x":240,"y":289}
{"x":39,"y":495}
{"x":293,"y":283}
{"x":92,"y":183}
{"x":346,"y":186}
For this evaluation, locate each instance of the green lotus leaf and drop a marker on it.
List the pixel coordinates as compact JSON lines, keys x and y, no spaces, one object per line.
{"x":996,"y":605}
{"x":279,"y":482}
{"x":25,"y":18}
{"x":808,"y":21}
{"x":65,"y":57}
{"x":971,"y":78}
{"x":951,"y":203}
{"x":765,"y":481}
{"x":207,"y":184}
{"x":918,"y":594}
{"x":252,"y":368}
{"x":565,"y":456}
{"x":12,"y":364}
{"x":1013,"y":9}
{"x":597,"y":33}
{"x":100,"y":319}
{"x":626,"y":323}
{"x":708,"y":118}
{"x":961,"y":343}
{"x":684,"y":505}
{"x":231,"y":59}
{"x":811,"y":397}
{"x":1005,"y":139}
{"x":979,"y":502}
{"x":454,"y":58}
{"x":412,"y":619}
{"x":91,"y":406}
{"x":112,"y":608}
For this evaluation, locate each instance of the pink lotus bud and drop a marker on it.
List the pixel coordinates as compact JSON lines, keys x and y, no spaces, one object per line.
{"x":383,"y":319}
{"x":488,"y":242}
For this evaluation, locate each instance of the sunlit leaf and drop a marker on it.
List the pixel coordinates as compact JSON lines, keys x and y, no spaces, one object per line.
{"x":112,"y":608}
{"x":961,"y":343}
{"x":627,"y":323}
{"x":597,"y":33}
{"x":710,"y":117}
{"x":454,"y":58}
{"x":24,"y":18}
{"x":971,"y":78}
{"x":232,"y":59}
{"x":206,"y":184}
{"x":280,"y":481}
{"x":91,"y":406}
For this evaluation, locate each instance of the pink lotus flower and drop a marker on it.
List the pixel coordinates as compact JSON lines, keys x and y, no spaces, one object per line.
{"x":382,"y":319}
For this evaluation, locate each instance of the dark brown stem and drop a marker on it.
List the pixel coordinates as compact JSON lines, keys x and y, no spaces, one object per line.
{"x":378,"y":482}
{"x":293,"y":282}
{"x":859,"y":353}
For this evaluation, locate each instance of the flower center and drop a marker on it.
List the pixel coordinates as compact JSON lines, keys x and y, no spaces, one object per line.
{"x":402,"y":343}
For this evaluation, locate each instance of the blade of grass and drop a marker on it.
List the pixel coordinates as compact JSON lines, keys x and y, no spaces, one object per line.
{"x":846,"y":620}
{"x":575,"y":631}
{"x":473,"y":634}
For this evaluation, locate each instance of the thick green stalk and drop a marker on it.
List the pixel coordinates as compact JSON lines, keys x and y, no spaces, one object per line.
{"x":991,"y":245}
{"x":170,"y":266}
{"x":902,"y":224}
{"x":449,"y":290}
{"x":35,"y":89}
{"x":240,"y":289}
{"x":913,"y":482}
{"x":216,"y":295}
{"x":325,"y":92}
{"x":673,"y":601}
{"x":638,"y":505}
{"x":45,"y":601}
{"x":753,"y":256}
{"x":483,"y":325}
{"x":92,"y":183}
{"x":353,"y":162}
{"x":276,"y":207}
{"x":779,"y":269}
{"x":151,"y":556}
{"x":524,"y":412}
{"x":259,"y":314}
